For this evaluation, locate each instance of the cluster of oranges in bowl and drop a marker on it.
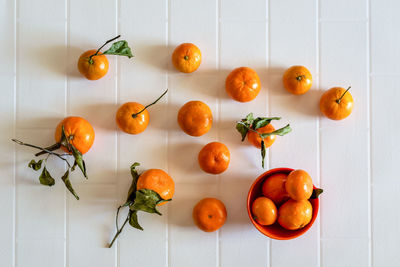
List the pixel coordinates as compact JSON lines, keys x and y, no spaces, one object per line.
{"x":283,"y":203}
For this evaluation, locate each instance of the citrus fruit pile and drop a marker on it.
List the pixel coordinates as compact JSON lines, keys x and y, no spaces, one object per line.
{"x":285,"y":199}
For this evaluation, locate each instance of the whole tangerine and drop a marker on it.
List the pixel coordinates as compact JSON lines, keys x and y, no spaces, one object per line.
{"x":214,"y":158}
{"x":255,"y":139}
{"x":297,"y":80}
{"x":209,"y":214}
{"x":128,"y":119}
{"x":336,"y":103}
{"x":195,"y":118}
{"x":95,"y":67}
{"x":158,"y":181}
{"x":78,"y":131}
{"x":243,"y":84}
{"x":294,"y":214}
{"x":264,"y":211}
{"x":274,"y":188}
{"x":186,"y":57}
{"x":299,"y":185}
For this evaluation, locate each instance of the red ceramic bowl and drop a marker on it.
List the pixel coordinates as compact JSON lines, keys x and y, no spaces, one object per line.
{"x":276,"y":231}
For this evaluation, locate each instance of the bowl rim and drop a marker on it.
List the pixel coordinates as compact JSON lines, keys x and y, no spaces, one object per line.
{"x":296,"y":233}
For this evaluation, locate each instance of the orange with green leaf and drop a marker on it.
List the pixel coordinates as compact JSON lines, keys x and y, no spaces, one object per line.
{"x":148,"y":190}
{"x":93,"y":64}
{"x":133,"y":117}
{"x":75,"y":136}
{"x":260,"y":132}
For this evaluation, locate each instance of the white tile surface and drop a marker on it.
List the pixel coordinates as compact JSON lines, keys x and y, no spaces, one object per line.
{"x":7,"y":125}
{"x":386,"y":186}
{"x":345,"y":176}
{"x":341,"y":42}
{"x":385,"y":39}
{"x":345,"y":252}
{"x":344,"y":10}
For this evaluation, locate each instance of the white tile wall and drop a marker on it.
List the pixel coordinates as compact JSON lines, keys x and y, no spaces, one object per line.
{"x":342,"y":43}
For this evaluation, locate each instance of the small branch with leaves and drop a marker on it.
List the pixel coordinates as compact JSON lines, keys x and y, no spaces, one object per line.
{"x":45,"y":177}
{"x":119,"y":48}
{"x":138,"y":200}
{"x":253,"y":124}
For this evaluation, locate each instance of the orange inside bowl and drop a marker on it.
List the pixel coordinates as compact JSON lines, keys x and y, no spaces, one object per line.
{"x":276,"y":231}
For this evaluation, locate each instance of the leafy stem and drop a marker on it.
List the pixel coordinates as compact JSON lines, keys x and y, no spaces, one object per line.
{"x":149,"y":105}
{"x":253,"y":124}
{"x":45,"y":177}
{"x":144,"y":200}
{"x":340,"y":99}
{"x":98,"y":50}
{"x":51,"y":148}
{"x":118,"y":232}
{"x":43,"y":149}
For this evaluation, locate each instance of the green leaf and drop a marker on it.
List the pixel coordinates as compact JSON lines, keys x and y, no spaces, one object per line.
{"x":249,"y":119}
{"x":263,"y":121}
{"x":263,"y":152}
{"x":132,"y":189}
{"x":119,"y":48}
{"x":316,"y":192}
{"x":243,"y":130}
{"x":64,"y":140}
{"x":78,"y":160}
{"x":68,"y":184}
{"x":74,"y":166}
{"x":146,"y":200}
{"x":35,"y":165}
{"x":45,"y":178}
{"x":133,"y":220}
{"x":243,"y":126}
{"x":281,"y":132}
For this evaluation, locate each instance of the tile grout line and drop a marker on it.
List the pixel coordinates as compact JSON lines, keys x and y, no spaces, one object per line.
{"x":116,"y":134}
{"x":268,"y":102}
{"x":66,"y":111}
{"x":14,"y":249}
{"x":218,"y":65}
{"x":167,"y":38}
{"x":369,"y":115}
{"x":318,"y":121}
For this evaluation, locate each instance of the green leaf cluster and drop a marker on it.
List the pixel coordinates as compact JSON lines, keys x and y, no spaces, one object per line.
{"x":145,"y":200}
{"x":252,"y":124}
{"x":140,"y":200}
{"x":45,"y":177}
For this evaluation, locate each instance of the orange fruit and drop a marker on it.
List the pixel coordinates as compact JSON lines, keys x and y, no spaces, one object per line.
{"x":299,"y":185}
{"x":186,"y":57}
{"x":243,"y":84}
{"x":214,"y":158}
{"x":264,"y":211}
{"x":297,"y":80}
{"x":195,"y":118}
{"x":209,"y":214}
{"x":130,"y":123}
{"x":94,"y":68}
{"x":255,"y":139}
{"x":78,"y":131}
{"x":274,"y":188}
{"x":336,"y":103}
{"x":294,"y":214}
{"x":158,"y":181}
